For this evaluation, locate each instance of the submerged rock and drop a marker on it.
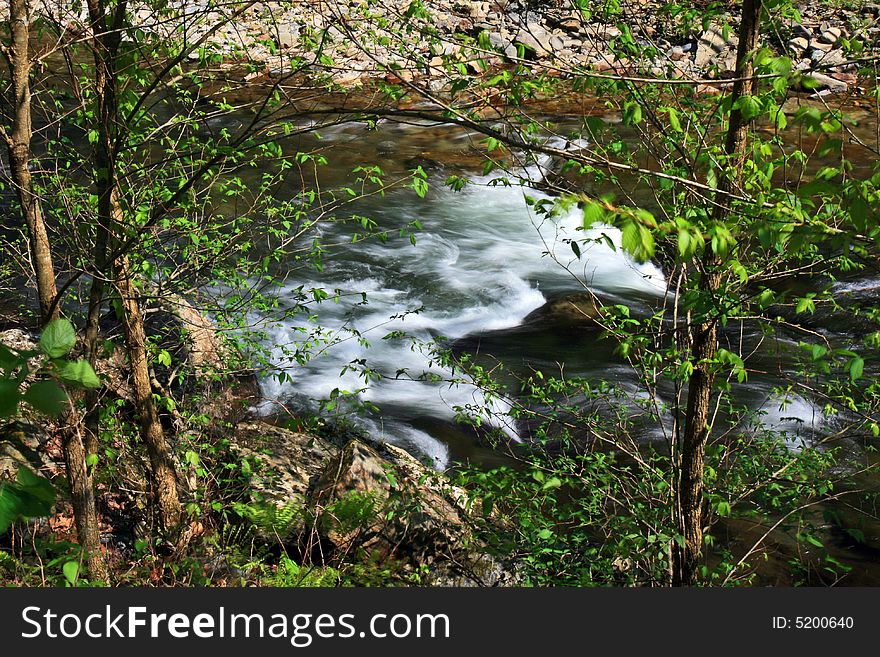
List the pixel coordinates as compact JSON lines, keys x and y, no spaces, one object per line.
{"x":578,"y":309}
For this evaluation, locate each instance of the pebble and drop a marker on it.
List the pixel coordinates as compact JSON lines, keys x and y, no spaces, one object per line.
{"x":798,"y":45}
{"x":677,"y":54}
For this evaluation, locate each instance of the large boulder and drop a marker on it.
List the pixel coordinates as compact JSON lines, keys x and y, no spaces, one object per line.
{"x":358,"y":500}
{"x":283,"y":467}
{"x":21,"y":445}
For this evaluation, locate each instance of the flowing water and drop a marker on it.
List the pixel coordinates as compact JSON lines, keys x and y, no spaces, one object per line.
{"x":481,"y":263}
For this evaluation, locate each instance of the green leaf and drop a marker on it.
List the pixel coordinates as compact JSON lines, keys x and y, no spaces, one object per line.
{"x":78,"y":372}
{"x":673,"y":119}
{"x":858,"y":212}
{"x":552,"y":482}
{"x":9,"y":398}
{"x":47,"y":397}
{"x":71,"y":572}
{"x":766,"y":298}
{"x":685,"y":248}
{"x":594,"y":214}
{"x":58,"y":338}
{"x":856,"y":367}
{"x":812,"y":540}
{"x":722,"y":241}
{"x":164,"y":358}
{"x":632,"y":113}
{"x":30,"y":496}
{"x":805,"y":304}
{"x":737,"y":268}
{"x":748,"y":106}
{"x":637,"y":241}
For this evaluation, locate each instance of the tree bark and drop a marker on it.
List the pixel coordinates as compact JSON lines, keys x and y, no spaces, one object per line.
{"x":704,"y":341}
{"x":82,"y":497}
{"x":19,"y":145}
{"x":164,"y":472}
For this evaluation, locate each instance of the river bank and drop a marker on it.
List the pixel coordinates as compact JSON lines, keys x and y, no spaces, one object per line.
{"x":350,"y":44}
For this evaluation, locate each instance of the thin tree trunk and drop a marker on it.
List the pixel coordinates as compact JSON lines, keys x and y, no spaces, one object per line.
{"x":92,"y":332}
{"x":705,"y":337}
{"x":151,"y":431}
{"x":82,"y":497}
{"x":82,"y":489}
{"x":19,"y":145}
{"x":110,"y":236}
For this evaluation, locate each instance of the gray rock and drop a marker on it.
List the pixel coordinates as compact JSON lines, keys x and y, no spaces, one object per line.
{"x":580,"y":308}
{"x":284,"y":465}
{"x":799,"y":31}
{"x":376,"y":500}
{"x":19,"y":340}
{"x":677,"y":54}
{"x":715,"y":52}
{"x":830,"y":59}
{"x":288,"y":35}
{"x":818,"y":45}
{"x":498,"y":41}
{"x":714,"y":38}
{"x":832,"y":35}
{"x":606,"y":32}
{"x":21,"y":445}
{"x":417,"y":518}
{"x":798,"y":45}
{"x":826,"y":82}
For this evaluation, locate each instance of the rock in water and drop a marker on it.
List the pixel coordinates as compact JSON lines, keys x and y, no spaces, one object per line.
{"x":578,"y":309}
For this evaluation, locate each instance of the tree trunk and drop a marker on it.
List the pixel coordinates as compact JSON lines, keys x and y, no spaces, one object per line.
{"x":19,"y":144}
{"x":704,"y":342}
{"x":164,"y":473}
{"x":82,"y":490}
{"x":109,"y":238}
{"x":82,"y":497}
{"x":92,"y":331}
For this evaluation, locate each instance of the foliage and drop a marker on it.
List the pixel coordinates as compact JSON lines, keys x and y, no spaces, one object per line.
{"x":46,"y":395}
{"x":30,"y":496}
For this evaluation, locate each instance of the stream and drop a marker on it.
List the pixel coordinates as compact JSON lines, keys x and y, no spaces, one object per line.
{"x":482,"y":261}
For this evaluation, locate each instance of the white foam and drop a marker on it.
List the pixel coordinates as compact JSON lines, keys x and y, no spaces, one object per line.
{"x":477,"y":266}
{"x":795,"y":418}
